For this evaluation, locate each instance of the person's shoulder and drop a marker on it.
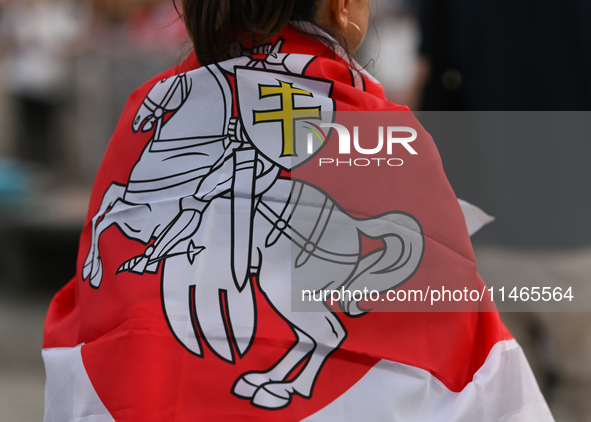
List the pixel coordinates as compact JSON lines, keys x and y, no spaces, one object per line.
{"x":353,"y":87}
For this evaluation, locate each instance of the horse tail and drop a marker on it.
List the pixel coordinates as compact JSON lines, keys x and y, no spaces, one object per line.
{"x":388,"y":267}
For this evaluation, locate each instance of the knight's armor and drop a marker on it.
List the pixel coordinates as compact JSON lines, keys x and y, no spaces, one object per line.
{"x":189,"y":144}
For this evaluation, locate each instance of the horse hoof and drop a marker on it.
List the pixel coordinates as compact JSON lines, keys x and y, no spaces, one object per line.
{"x":131,"y":265}
{"x":244,"y":389}
{"x":86,"y":271}
{"x":87,"y":268}
{"x":247,"y":385}
{"x":271,"y":396}
{"x":96,"y":278}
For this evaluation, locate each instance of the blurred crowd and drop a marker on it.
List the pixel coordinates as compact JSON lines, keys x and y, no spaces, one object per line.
{"x":67,"y":67}
{"x":66,"y":70}
{"x":521,"y":67}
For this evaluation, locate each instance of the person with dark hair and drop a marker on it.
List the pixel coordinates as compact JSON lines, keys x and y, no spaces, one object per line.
{"x":229,"y":191}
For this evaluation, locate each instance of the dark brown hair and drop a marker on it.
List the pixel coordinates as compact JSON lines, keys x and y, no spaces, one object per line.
{"x":215,"y":27}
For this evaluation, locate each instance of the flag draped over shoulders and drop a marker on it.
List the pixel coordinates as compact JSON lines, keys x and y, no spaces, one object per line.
{"x":203,"y":217}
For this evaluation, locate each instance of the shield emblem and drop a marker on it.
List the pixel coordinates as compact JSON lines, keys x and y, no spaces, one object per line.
{"x":281,"y":114}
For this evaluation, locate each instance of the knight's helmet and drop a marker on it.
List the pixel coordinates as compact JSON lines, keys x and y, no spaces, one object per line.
{"x":201,"y":101}
{"x":207,"y":94}
{"x":189,"y":115}
{"x":165,"y":96}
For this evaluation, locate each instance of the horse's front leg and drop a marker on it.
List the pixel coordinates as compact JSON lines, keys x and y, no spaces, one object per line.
{"x":136,"y":221}
{"x":114,"y":193}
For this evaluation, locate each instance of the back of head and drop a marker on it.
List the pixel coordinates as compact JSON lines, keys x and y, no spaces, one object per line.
{"x":216,"y":26}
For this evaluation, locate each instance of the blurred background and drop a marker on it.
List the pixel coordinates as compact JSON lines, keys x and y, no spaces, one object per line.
{"x":66,"y":70}
{"x":67,"y":67}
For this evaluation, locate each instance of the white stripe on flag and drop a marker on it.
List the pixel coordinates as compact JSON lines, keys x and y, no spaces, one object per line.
{"x":503,"y":389}
{"x":474,"y":216}
{"x":69,"y":394}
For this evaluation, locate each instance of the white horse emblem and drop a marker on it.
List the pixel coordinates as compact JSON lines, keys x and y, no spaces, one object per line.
{"x":206,"y":199}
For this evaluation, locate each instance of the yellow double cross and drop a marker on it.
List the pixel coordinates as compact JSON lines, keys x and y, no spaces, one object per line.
{"x":287,"y":114}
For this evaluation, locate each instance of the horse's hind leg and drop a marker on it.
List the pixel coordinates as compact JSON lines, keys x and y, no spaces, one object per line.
{"x":328,"y":334}
{"x":247,"y":385}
